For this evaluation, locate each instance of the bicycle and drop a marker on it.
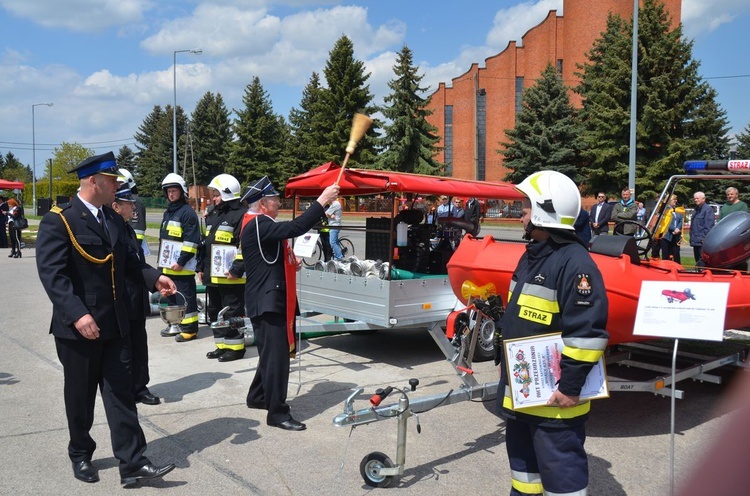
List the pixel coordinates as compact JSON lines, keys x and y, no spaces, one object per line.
{"x":347,"y":250}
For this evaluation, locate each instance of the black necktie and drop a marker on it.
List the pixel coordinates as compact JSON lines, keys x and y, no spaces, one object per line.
{"x":100,"y":217}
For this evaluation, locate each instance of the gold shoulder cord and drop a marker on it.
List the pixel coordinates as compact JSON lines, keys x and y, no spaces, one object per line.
{"x":79,"y":249}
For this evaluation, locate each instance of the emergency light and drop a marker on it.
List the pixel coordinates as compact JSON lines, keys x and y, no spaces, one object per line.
{"x":696,"y":166}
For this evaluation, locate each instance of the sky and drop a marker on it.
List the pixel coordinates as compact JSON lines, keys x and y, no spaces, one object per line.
{"x":105,"y":64}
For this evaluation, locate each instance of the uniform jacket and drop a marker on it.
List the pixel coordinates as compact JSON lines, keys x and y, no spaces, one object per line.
{"x":265,"y":290}
{"x":471,"y":213}
{"x":138,"y":222}
{"x":558,"y":288}
{"x":702,"y":222}
{"x":180,"y":223}
{"x":675,"y":223}
{"x":604,"y":216}
{"x":223,"y":227}
{"x":77,"y":286}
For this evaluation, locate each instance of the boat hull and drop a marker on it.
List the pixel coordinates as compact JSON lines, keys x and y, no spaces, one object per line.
{"x":484,"y":261}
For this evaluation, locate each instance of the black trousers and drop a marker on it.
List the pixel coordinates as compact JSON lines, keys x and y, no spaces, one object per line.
{"x":139,"y":356}
{"x":3,"y":233}
{"x":106,"y":365}
{"x":186,"y":286}
{"x":232,"y":296}
{"x":15,"y":238}
{"x":269,"y":386}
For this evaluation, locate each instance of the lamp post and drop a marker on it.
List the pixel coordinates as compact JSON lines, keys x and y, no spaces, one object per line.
{"x":33,"y":154}
{"x":197,"y":51}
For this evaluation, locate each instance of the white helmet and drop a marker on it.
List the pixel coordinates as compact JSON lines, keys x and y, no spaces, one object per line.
{"x":555,"y":199}
{"x":175,"y":180}
{"x":126,"y":177}
{"x":227,"y":186}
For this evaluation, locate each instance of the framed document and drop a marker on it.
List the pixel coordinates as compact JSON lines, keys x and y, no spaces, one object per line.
{"x":533,"y":366}
{"x":222,"y":257}
{"x":169,"y":253}
{"x":304,"y":245}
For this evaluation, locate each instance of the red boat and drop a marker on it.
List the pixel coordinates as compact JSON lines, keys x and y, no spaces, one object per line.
{"x":487,"y":261}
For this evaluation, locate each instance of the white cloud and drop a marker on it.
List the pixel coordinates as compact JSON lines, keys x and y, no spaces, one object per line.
{"x":512,"y":23}
{"x":79,"y":15}
{"x":701,"y":16}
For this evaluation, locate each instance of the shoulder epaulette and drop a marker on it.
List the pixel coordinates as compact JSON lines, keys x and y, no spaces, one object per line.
{"x":56,"y":209}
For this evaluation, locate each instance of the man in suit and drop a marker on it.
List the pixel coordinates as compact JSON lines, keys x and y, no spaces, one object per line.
{"x":271,"y":295}
{"x":471,"y":214}
{"x":599,"y":215}
{"x":82,"y":260}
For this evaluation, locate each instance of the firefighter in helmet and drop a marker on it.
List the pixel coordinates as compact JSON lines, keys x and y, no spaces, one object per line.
{"x":218,"y":255}
{"x":180,"y":238}
{"x":556,"y":287}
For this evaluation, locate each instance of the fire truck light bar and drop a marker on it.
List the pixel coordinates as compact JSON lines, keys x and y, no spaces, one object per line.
{"x":717,"y":165}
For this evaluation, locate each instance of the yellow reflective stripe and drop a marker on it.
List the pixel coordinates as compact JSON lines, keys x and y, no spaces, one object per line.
{"x":238,"y":256}
{"x":189,"y":249}
{"x":177,"y":272}
{"x":551,"y":412}
{"x":534,"y":315}
{"x":190,"y":318}
{"x":174,"y":229}
{"x":223,"y":237}
{"x":527,"y":487}
{"x":567,"y":220}
{"x":234,"y":344}
{"x":527,"y":300}
{"x":225,"y":280}
{"x":591,"y":356}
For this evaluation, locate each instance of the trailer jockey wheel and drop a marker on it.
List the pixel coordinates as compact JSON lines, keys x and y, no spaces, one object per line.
{"x":645,"y":235}
{"x":370,"y":469}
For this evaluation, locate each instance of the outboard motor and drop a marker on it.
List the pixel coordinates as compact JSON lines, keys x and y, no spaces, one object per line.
{"x":728,"y":243}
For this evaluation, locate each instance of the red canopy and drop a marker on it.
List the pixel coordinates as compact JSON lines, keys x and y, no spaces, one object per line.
{"x":10,"y":184}
{"x":369,"y":182}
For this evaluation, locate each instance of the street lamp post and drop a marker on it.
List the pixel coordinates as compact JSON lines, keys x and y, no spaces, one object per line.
{"x":33,"y":154}
{"x":197,"y":51}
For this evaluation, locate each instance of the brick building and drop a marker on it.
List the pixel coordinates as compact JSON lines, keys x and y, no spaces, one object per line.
{"x":473,"y":113}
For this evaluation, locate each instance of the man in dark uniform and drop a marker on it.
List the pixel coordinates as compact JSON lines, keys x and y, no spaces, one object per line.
{"x":270,"y":294}
{"x":138,"y":222}
{"x":138,"y":305}
{"x":223,"y":226}
{"x":556,"y":287}
{"x":82,"y":259}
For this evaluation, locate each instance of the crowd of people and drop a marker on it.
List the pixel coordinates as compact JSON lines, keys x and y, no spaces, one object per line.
{"x":629,"y":217}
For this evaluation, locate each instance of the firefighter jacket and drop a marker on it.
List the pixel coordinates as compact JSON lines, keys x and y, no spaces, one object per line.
{"x":223,"y":227}
{"x":557,"y":288}
{"x":180,"y":223}
{"x":138,"y":222}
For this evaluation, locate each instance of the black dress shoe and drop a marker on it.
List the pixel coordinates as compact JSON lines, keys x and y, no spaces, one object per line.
{"x":146,"y":472}
{"x":85,"y":471}
{"x":231,"y":355}
{"x":216,"y":353}
{"x":147,"y":399}
{"x":290,"y":425}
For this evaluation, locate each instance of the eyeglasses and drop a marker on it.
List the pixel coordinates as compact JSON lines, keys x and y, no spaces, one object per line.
{"x":600,"y":196}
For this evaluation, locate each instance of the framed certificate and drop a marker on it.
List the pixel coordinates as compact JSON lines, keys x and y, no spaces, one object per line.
{"x":222,"y":257}
{"x":533,"y":366}
{"x":169,"y":253}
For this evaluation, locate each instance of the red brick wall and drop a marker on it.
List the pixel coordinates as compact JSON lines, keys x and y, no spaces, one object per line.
{"x":555,"y":37}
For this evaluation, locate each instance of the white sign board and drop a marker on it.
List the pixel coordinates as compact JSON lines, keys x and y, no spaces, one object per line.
{"x":304,"y":245}
{"x":682,"y":309}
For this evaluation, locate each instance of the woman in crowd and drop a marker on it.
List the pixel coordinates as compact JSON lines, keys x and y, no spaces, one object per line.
{"x":15,"y":226}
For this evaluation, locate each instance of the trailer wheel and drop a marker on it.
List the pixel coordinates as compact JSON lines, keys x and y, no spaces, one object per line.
{"x":370,"y":468}
{"x":485,"y":348}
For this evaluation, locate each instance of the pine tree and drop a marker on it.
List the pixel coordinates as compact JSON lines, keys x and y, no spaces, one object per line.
{"x":212,"y":137}
{"x":546,"y":135}
{"x":678,"y":117}
{"x":257,"y":150}
{"x":126,"y":158}
{"x":154,"y":155}
{"x":346,"y":94}
{"x":14,"y":170}
{"x":743,"y":144}
{"x":410,"y":141}
{"x":305,"y":149}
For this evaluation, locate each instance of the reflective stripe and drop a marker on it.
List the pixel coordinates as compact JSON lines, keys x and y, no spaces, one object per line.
{"x":225,"y":280}
{"x":590,"y":356}
{"x":174,"y":228}
{"x":527,"y":477}
{"x":512,"y":286}
{"x":586,"y":343}
{"x":219,"y":341}
{"x":526,"y":487}
{"x":223,"y":237}
{"x":171,"y":272}
{"x":189,"y":247}
{"x":190,"y":318}
{"x":235,"y":344}
{"x":540,"y":291}
{"x":139,"y":234}
{"x":551,"y":412}
{"x":539,"y":301}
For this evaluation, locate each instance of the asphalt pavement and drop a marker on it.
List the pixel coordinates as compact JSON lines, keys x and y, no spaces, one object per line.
{"x":222,"y":447}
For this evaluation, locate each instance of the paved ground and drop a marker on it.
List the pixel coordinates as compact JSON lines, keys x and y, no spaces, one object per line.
{"x":221,"y":447}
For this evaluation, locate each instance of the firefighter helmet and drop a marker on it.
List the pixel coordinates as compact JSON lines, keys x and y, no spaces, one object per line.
{"x":555,"y":199}
{"x":175,"y":180}
{"x":227,"y":186}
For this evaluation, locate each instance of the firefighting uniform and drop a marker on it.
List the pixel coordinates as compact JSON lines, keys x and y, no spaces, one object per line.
{"x":555,"y":288}
{"x":180,"y":223}
{"x":223,"y":227}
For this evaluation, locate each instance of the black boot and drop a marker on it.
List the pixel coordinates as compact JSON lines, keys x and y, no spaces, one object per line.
{"x":12,"y":254}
